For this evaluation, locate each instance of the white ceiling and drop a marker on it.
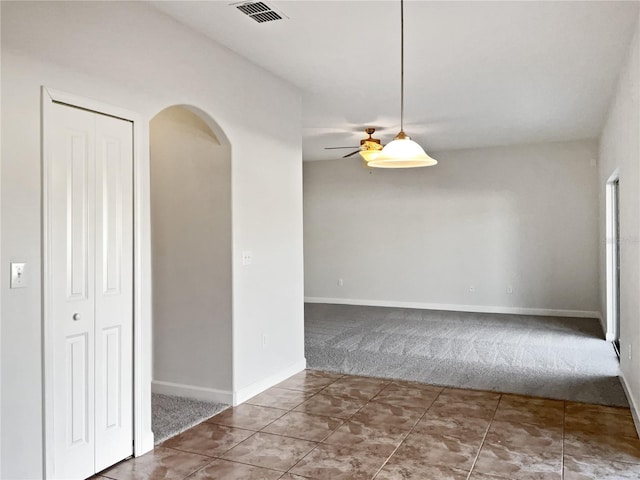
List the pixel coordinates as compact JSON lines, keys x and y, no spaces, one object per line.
{"x":477,"y":73}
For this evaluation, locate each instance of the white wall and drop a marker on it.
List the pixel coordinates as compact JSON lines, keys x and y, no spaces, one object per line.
{"x":520,"y":216}
{"x":0,"y":248}
{"x":620,"y":149}
{"x":191,"y":254}
{"x":131,"y":56}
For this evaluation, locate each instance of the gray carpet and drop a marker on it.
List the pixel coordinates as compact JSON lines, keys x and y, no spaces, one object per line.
{"x":562,"y":358}
{"x":173,"y":415}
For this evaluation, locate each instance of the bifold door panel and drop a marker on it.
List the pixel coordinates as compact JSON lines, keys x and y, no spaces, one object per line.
{"x":90,"y":248}
{"x":114,"y":291}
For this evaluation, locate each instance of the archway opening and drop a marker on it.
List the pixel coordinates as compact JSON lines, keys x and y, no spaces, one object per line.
{"x":190,"y":171}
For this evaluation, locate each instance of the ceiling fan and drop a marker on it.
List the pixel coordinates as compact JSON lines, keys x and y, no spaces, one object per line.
{"x":369,"y":143}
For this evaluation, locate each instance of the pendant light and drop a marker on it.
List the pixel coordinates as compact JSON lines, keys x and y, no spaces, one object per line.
{"x":402,"y":152}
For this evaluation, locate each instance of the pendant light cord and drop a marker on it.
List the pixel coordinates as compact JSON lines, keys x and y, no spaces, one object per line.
{"x":402,"y":65}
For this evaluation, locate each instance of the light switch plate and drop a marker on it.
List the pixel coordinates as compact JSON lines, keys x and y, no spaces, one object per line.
{"x":18,"y":275}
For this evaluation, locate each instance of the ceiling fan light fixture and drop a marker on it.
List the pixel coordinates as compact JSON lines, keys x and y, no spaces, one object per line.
{"x":402,"y":152}
{"x":369,"y":155}
{"x":370,"y":150}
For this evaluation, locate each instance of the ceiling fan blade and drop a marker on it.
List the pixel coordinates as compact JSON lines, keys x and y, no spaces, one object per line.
{"x":352,"y":153}
{"x":335,"y":148}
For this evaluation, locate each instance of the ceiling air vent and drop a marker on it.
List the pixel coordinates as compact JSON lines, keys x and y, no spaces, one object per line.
{"x":259,"y":11}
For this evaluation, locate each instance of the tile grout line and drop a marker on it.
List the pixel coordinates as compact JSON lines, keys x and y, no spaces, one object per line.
{"x":212,"y":459}
{"x":408,"y":433}
{"x":281,"y":472}
{"x":343,"y":422}
{"x":220,"y":456}
{"x":484,"y":438}
{"x":285,"y":436}
{"x":215,"y":457}
{"x":318,"y":443}
{"x":291,"y":410}
{"x":209,"y":456}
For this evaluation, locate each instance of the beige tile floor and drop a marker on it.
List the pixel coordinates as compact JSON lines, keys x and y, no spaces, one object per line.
{"x":324,"y":426}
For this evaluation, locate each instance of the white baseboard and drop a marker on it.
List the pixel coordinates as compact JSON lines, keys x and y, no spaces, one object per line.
{"x":458,"y":308}
{"x":191,"y":391}
{"x":254,"y":389}
{"x":635,"y":411}
{"x":225,"y":396}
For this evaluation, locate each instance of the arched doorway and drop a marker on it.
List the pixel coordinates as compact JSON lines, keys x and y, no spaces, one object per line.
{"x":190,"y":177}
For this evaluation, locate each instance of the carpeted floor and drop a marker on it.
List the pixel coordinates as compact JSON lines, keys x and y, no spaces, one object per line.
{"x":173,"y":415}
{"x":563,"y":358}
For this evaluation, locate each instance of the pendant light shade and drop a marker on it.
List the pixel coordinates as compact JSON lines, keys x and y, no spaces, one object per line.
{"x":402,"y":152}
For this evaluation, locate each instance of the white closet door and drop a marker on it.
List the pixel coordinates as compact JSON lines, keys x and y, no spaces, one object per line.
{"x":90,"y":249}
{"x":114,"y":290}
{"x":72,"y":272}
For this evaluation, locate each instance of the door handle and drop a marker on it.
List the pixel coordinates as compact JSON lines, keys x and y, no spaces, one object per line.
{"x":76,"y":317}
